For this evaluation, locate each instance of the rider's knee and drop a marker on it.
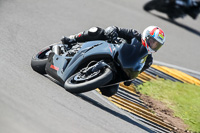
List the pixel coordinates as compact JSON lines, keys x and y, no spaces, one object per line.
{"x":109,"y":91}
{"x":93,"y":33}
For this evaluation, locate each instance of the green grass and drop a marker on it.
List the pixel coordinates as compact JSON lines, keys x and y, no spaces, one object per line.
{"x":182,"y":98}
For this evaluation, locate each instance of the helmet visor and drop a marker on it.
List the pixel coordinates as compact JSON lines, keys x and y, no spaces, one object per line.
{"x":153,"y":44}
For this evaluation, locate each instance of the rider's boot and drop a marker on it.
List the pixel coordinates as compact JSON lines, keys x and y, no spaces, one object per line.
{"x":68,"y":41}
{"x":94,"y":33}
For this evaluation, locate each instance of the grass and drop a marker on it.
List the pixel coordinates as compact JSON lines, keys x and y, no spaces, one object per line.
{"x":182,"y":98}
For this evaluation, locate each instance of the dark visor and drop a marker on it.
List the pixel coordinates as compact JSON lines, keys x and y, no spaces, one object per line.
{"x":153,"y":44}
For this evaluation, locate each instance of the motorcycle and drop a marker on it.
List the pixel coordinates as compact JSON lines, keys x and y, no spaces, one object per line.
{"x":85,"y":67}
{"x":172,"y":9}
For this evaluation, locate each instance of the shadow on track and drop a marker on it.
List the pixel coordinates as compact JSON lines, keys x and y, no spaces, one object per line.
{"x":194,"y":31}
{"x":117,"y":114}
{"x":97,"y":104}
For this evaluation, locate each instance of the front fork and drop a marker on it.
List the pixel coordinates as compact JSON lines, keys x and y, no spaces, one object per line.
{"x":98,"y":66}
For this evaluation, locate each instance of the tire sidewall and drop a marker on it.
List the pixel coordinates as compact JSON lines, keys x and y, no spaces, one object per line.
{"x":89,"y":85}
{"x":37,"y":64}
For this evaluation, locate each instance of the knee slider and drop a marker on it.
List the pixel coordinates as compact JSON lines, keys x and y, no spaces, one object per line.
{"x":89,"y":35}
{"x":94,"y":31}
{"x":109,"y":91}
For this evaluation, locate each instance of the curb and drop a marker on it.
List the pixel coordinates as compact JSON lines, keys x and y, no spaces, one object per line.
{"x":127,"y":98}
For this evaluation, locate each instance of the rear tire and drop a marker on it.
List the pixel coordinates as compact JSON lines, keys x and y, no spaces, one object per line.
{"x":73,"y":87}
{"x":39,"y":60}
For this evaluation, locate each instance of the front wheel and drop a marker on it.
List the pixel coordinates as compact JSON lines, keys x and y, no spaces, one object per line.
{"x":80,"y":82}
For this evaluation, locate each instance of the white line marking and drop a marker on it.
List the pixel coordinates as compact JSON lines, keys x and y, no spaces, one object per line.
{"x":176,"y":67}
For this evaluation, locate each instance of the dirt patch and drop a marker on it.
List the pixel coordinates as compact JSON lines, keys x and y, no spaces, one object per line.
{"x":165,"y":113}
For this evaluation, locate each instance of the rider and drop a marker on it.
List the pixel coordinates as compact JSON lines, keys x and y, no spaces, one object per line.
{"x":152,"y":38}
{"x":191,"y":7}
{"x":186,"y":3}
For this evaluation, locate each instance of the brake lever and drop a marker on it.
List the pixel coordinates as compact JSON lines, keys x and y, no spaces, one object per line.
{"x":117,"y":41}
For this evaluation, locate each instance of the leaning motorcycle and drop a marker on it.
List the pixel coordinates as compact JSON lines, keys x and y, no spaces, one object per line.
{"x":172,"y":9}
{"x":85,"y":67}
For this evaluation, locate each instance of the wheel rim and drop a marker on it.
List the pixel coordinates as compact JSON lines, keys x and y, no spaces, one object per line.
{"x":43,"y":54}
{"x":84,"y":76}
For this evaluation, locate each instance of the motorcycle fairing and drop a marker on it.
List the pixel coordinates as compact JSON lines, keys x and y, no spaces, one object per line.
{"x":132,"y":58}
{"x":55,"y":66}
{"x":93,"y":50}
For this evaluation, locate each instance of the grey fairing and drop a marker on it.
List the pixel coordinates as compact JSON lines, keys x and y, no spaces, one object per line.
{"x":90,"y":51}
{"x":132,"y":58}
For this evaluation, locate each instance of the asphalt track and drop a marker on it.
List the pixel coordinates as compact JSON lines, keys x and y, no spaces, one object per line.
{"x":33,"y":103}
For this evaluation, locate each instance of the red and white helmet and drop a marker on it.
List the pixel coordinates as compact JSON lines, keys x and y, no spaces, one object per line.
{"x":153,"y":38}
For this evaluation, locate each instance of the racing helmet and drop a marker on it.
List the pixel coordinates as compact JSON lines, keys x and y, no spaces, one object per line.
{"x":153,"y":38}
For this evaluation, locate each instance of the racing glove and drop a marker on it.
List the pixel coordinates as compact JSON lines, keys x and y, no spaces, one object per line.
{"x":111,"y":33}
{"x":148,"y":63}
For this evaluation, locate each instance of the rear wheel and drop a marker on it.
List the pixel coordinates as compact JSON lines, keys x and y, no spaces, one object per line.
{"x":83,"y":82}
{"x":39,"y":60}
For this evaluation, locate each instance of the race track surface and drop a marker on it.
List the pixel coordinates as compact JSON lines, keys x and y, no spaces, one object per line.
{"x":32,"y":103}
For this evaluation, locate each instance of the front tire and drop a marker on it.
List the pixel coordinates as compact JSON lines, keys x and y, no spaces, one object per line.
{"x":103,"y":78}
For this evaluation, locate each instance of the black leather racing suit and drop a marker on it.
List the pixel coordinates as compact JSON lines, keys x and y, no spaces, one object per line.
{"x":96,"y":33}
